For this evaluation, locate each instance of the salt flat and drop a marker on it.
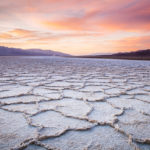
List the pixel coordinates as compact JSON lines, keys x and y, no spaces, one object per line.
{"x":74,"y":104}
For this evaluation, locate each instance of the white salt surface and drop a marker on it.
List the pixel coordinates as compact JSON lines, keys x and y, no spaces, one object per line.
{"x":74,"y":104}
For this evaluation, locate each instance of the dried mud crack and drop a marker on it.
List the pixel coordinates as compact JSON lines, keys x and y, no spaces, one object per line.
{"x":74,"y":104}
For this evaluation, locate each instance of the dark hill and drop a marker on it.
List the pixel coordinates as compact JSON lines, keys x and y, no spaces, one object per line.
{"x":5,"y":51}
{"x":136,"y":55}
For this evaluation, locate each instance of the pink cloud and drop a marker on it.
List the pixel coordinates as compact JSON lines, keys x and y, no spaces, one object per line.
{"x":35,"y":20}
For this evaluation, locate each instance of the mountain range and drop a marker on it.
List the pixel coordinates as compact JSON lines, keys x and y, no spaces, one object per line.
{"x":136,"y":55}
{"x":5,"y":51}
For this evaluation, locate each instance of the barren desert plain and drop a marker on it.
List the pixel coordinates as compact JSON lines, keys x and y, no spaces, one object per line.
{"x":74,"y":104}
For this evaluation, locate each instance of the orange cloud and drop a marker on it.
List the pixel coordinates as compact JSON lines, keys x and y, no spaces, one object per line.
{"x":17,"y":34}
{"x":75,"y":25}
{"x":5,"y":36}
{"x":131,"y":44}
{"x":82,"y":15}
{"x":68,"y":24}
{"x":36,"y":35}
{"x":21,"y":33}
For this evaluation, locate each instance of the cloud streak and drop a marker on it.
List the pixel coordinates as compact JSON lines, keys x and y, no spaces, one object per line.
{"x":55,"y":23}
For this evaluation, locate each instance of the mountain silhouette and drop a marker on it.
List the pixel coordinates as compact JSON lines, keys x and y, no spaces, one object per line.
{"x":5,"y":51}
{"x":136,"y":55}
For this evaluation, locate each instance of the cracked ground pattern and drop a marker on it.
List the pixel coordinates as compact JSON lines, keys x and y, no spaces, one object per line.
{"x":74,"y":104}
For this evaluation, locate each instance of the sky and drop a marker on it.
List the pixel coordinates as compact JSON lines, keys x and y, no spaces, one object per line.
{"x":77,"y":27}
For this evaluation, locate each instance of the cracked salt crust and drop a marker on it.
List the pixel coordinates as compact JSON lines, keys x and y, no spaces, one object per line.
{"x":74,"y":104}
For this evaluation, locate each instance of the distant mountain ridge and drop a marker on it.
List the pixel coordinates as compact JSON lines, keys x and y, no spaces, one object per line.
{"x":136,"y":55}
{"x":5,"y":51}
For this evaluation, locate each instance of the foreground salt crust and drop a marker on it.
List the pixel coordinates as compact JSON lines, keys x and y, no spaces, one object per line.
{"x":75,"y":104}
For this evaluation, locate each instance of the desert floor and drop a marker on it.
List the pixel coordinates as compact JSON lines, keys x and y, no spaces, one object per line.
{"x":74,"y":104}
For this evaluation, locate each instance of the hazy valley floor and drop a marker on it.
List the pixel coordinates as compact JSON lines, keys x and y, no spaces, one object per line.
{"x":74,"y":104}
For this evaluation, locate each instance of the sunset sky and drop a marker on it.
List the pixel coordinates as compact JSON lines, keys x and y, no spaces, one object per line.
{"x":76,"y":26}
